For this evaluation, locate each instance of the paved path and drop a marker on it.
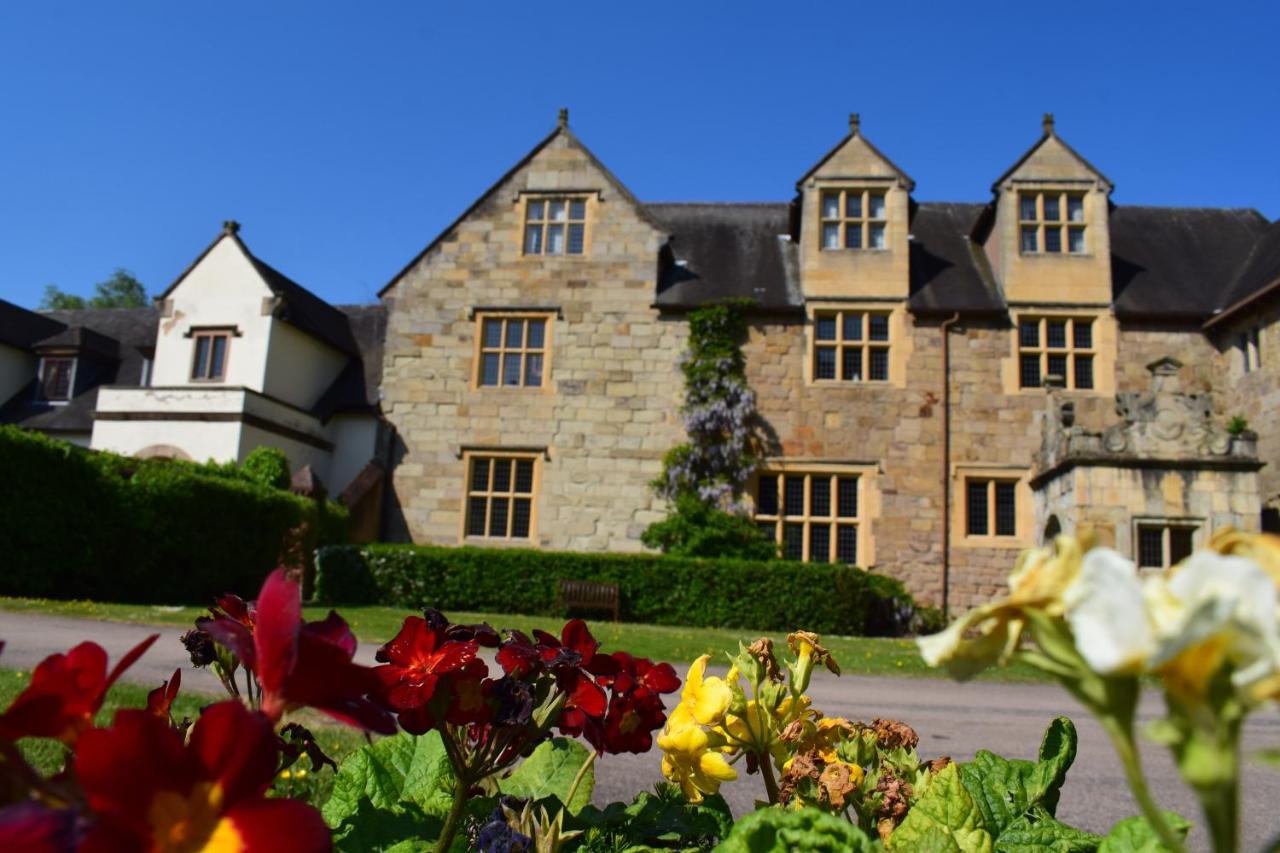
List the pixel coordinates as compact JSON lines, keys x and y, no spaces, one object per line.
{"x":952,"y":719}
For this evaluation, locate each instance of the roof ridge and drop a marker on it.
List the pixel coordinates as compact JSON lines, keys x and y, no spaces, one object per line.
{"x":718,"y":203}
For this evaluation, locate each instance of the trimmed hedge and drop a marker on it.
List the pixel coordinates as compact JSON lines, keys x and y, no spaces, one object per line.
{"x":81,"y":524}
{"x":663,"y":590}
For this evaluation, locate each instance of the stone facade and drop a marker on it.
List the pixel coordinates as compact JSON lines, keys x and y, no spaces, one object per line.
{"x":607,"y":411}
{"x":608,"y":407}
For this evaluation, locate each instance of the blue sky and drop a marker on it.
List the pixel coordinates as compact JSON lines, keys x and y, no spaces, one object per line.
{"x":345,"y":136}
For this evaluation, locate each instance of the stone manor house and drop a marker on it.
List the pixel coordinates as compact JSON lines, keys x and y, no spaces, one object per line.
{"x":940,"y":384}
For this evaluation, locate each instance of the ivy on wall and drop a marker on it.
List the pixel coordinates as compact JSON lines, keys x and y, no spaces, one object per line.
{"x":706,"y":477}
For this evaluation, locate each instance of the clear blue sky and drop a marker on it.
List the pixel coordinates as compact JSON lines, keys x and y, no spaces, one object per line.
{"x":344,"y":137}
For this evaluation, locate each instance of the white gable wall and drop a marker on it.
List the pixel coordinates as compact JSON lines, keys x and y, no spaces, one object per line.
{"x":299,"y":367}
{"x":17,"y":369}
{"x":355,"y":444}
{"x":224,"y":289}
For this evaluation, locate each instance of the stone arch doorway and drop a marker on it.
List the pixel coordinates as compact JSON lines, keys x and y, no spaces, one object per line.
{"x":163,"y":451}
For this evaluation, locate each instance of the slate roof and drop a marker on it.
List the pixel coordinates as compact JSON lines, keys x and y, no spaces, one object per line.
{"x":949,"y":272}
{"x":1178,"y":263}
{"x":358,"y":387}
{"x":304,"y":310}
{"x":115,"y":341}
{"x":21,"y":328}
{"x":1259,"y":277}
{"x":721,"y":250}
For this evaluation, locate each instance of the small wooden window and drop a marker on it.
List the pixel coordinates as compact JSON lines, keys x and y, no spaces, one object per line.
{"x":851,"y":346}
{"x":210,"y":361}
{"x":1250,"y":346}
{"x":1056,"y":346}
{"x":854,"y":219}
{"x":813,"y":517}
{"x":1051,"y":222}
{"x":991,"y":507}
{"x":1161,"y":544}
{"x":500,"y":494}
{"x":513,"y":350}
{"x":555,"y":225}
{"x":57,"y":377}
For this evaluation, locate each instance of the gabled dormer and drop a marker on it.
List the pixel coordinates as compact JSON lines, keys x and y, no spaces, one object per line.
{"x":1047,"y":239}
{"x":854,"y":222}
{"x":232,"y":320}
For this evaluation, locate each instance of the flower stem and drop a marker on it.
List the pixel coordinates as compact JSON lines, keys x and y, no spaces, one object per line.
{"x":1127,"y":751}
{"x":770,"y":784}
{"x":461,"y":788}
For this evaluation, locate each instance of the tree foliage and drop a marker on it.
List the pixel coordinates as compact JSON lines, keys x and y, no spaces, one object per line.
{"x":120,"y":290}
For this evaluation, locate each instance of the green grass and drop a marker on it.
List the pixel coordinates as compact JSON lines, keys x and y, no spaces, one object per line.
{"x":856,"y":655}
{"x":49,"y":756}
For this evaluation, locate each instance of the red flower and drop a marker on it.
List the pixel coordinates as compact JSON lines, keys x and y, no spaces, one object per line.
{"x":414,"y":661}
{"x":633,"y":672}
{"x":301,"y":664}
{"x":160,"y":700}
{"x":149,"y":791}
{"x":65,"y":693}
{"x":573,"y":660}
{"x":631,"y":721}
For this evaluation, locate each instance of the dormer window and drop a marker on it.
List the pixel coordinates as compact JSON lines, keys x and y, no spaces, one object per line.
{"x":555,"y":225}
{"x":210,"y":361}
{"x":1051,"y":222}
{"x":853,"y":219}
{"x":57,"y":378}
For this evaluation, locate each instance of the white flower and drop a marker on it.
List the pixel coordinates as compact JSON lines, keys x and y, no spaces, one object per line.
{"x":1108,"y":616}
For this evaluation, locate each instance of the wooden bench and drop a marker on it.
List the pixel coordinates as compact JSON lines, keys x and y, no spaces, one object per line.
{"x":587,"y":594}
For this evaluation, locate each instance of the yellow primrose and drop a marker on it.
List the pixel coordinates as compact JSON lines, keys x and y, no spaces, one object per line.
{"x":703,"y":700}
{"x":689,"y":760}
{"x":1039,"y":579}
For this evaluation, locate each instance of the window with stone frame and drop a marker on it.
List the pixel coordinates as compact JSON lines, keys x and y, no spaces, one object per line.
{"x":854,"y":218}
{"x":1249,"y":344}
{"x":57,"y":379}
{"x":851,"y":346}
{"x":1161,"y":543}
{"x":209,"y":358}
{"x":1056,"y":346}
{"x":501,"y":489}
{"x":555,"y":225}
{"x":1052,"y":222}
{"x":991,"y":506}
{"x":814,"y":516}
{"x":513,"y":350}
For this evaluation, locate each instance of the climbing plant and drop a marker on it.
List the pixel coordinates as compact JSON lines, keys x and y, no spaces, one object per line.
{"x":705,"y":477}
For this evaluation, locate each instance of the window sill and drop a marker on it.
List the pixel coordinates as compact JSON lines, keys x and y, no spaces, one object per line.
{"x":992,"y":542}
{"x":525,"y":256}
{"x":886,"y":250}
{"x":1080,"y":255}
{"x":1076,"y":392}
{"x":851,"y":383}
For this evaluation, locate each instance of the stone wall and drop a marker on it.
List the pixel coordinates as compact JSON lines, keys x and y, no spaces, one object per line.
{"x":608,"y":411}
{"x":1256,"y":394}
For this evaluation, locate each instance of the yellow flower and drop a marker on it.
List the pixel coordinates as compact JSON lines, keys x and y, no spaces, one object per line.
{"x":689,"y":760}
{"x":703,"y":701}
{"x":1039,"y":579}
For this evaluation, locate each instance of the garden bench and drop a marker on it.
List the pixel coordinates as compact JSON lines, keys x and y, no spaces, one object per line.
{"x":588,"y":594}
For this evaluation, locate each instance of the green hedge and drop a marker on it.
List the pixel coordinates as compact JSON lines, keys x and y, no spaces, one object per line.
{"x":81,"y":524}
{"x":766,"y":595}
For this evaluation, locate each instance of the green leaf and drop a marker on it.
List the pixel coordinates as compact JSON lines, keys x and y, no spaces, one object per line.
{"x":1039,"y":830}
{"x":550,"y":771}
{"x":772,"y":830}
{"x":392,"y":793}
{"x":1135,"y":835}
{"x":1005,"y":789}
{"x":945,"y":819}
{"x":662,"y":819}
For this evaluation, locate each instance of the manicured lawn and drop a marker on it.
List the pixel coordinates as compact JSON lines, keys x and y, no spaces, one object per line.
{"x":857,"y":655}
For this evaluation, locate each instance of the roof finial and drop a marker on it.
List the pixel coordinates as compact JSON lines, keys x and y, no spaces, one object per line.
{"x":1047,"y":123}
{"x":855,"y":122}
{"x":563,"y":119}
{"x":230,"y":226}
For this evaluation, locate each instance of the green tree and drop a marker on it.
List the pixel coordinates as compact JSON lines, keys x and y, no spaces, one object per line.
{"x":121,"y":290}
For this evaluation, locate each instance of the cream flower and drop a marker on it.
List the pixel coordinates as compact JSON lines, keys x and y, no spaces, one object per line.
{"x":1108,"y":615}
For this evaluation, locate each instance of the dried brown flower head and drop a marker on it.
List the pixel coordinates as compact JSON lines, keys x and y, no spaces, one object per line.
{"x":892,"y":734}
{"x":801,"y":642}
{"x":762,"y":651}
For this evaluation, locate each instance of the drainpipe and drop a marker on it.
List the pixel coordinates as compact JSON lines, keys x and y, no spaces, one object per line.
{"x":945,"y":328}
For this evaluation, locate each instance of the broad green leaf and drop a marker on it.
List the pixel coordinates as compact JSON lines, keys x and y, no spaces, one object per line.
{"x":1005,"y":789}
{"x":773,"y":830}
{"x":550,"y":771}
{"x":945,"y":819}
{"x":664,"y":819}
{"x":1039,"y":830}
{"x":1135,"y":835}
{"x":394,"y":780}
